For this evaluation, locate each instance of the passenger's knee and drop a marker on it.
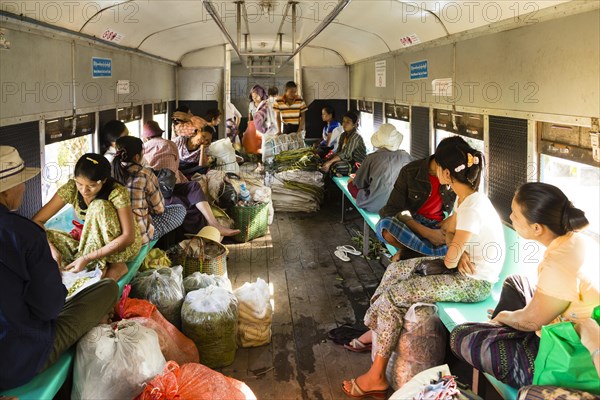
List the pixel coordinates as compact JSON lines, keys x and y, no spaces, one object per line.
{"x":101,"y":206}
{"x":387,"y":236}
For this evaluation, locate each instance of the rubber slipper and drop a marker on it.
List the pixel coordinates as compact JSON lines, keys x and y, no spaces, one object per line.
{"x":349,"y":249}
{"x":357,"y":346}
{"x":341,"y":254}
{"x":357,"y":393}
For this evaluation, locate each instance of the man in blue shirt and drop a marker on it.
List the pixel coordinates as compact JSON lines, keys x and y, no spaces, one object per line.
{"x":36,"y":325}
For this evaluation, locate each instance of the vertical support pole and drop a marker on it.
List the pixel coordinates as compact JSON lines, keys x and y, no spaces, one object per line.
{"x":343,"y":206}
{"x":486,"y":151}
{"x":226,"y":89}
{"x":280,"y":42}
{"x":294,"y":27}
{"x":298,"y":73}
{"x":238,"y":20}
{"x":366,"y":234}
{"x":532,"y":152}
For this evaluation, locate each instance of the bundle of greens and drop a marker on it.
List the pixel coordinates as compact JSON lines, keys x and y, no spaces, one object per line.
{"x":162,"y":287}
{"x":210,"y":319}
{"x":198,"y":280}
{"x":303,"y":159}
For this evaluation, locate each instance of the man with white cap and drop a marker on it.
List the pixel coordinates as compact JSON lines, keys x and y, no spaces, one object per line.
{"x":36,"y":325}
{"x":375,"y":178}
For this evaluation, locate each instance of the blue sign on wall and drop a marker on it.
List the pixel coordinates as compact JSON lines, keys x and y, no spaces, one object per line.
{"x":101,"y":67}
{"x":419,"y":70}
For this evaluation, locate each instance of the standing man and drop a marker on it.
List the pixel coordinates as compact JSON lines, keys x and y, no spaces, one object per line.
{"x":290,"y":109}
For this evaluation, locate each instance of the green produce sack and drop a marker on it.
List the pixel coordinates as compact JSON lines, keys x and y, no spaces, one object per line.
{"x":563,"y":361}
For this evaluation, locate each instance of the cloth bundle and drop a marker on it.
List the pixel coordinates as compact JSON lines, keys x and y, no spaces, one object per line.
{"x":115,"y":361}
{"x":255,"y":314}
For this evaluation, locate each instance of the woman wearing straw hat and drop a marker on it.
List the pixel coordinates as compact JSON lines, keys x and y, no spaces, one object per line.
{"x":374,"y":180}
{"x":37,"y":326}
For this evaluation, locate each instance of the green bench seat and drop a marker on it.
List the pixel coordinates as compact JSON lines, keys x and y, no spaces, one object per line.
{"x":453,"y":314}
{"x":48,"y":383}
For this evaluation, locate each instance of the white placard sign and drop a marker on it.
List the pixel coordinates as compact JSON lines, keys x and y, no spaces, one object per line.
{"x":380,"y":71}
{"x":410,"y":40}
{"x":442,"y":87}
{"x":122,"y":87}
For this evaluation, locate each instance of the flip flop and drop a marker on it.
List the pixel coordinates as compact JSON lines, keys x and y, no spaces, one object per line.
{"x":357,"y":393}
{"x":341,"y":254}
{"x":349,"y":249}
{"x":357,"y":346}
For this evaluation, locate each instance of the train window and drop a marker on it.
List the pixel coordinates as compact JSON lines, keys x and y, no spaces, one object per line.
{"x":67,"y":139}
{"x":160,"y":115}
{"x":580,"y":182}
{"x":366,"y":129}
{"x":404,"y":128}
{"x":132,"y":117}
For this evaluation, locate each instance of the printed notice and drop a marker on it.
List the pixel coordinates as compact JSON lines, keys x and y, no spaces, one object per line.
{"x":419,"y":70}
{"x":101,"y":67}
{"x":122,"y":87}
{"x":410,"y":40}
{"x":442,"y":87}
{"x":380,"y":72}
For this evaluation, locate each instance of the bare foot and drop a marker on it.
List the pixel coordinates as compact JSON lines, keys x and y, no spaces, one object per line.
{"x":224,"y":231}
{"x":367,"y":383}
{"x":107,"y":319}
{"x":366,"y":337}
{"x":115,"y":271}
{"x":396,"y":257}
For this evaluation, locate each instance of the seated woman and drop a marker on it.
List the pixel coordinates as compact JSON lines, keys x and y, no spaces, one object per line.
{"x":475,"y":226}
{"x":567,"y":288}
{"x":374,"y":180}
{"x":193,"y":151}
{"x":110,"y":237}
{"x":111,"y":131}
{"x":331,"y":131}
{"x":213,"y":119}
{"x":161,"y":153}
{"x":351,"y":147}
{"x":37,"y":325}
{"x":412,"y":217}
{"x":147,"y":203}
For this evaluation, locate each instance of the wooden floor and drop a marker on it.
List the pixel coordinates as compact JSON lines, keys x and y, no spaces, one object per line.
{"x":314,"y":292}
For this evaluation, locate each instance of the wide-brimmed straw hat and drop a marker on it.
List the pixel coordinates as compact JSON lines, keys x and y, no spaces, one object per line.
{"x":12,"y":169}
{"x":387,"y":137}
{"x":210,"y":233}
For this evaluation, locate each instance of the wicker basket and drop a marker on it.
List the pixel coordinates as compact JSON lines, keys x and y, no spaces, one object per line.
{"x":252,"y":221}
{"x":211,"y":260}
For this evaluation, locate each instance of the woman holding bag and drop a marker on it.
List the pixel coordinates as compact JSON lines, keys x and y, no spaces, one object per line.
{"x":567,"y":288}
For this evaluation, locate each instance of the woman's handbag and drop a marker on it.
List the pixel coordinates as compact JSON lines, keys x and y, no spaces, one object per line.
{"x":433,"y":267}
{"x":563,"y":361}
{"x":251,"y":220}
{"x":199,"y":254}
{"x":166,"y":181}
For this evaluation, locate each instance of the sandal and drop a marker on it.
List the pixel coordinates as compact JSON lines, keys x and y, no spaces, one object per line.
{"x":349,"y":249}
{"x":357,"y":346}
{"x":344,"y":334}
{"x":341,"y":254}
{"x":358,"y":393}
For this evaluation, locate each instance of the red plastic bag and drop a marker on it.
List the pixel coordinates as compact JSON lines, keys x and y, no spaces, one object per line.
{"x":252,"y":140}
{"x":194,"y":382}
{"x":174,"y":345}
{"x":77,"y":230}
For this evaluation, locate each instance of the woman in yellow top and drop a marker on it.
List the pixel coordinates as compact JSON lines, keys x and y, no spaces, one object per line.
{"x":567,"y":288}
{"x":110,"y":237}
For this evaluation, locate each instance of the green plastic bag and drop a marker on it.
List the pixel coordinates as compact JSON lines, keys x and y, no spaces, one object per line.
{"x":563,"y":361}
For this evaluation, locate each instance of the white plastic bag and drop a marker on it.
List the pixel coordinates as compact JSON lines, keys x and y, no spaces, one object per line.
{"x":75,"y":282}
{"x":115,"y":361}
{"x":413,"y":387}
{"x":164,"y":288}
{"x":198,"y":280}
{"x":222,"y":150}
{"x":209,"y":317}
{"x":256,"y":314}
{"x":422,"y":344}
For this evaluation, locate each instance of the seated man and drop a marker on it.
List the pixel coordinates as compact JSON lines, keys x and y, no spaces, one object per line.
{"x":36,"y":325}
{"x":413,"y":213}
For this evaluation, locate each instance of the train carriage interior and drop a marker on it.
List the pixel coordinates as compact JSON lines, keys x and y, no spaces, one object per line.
{"x":299,"y":199}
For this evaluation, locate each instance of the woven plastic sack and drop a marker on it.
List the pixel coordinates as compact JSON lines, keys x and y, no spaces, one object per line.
{"x":174,"y":345}
{"x":115,"y":361}
{"x":252,"y":221}
{"x":194,"y":382}
{"x":155,"y":259}
{"x":224,"y":153}
{"x":255,"y":314}
{"x":422,"y":345}
{"x":163,"y":288}
{"x":198,"y":280}
{"x":209,"y":318}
